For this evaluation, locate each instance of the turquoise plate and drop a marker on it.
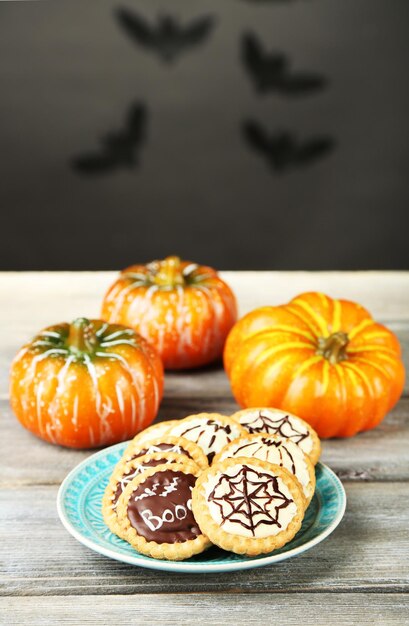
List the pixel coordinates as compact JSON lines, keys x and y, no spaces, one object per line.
{"x":79,"y":507}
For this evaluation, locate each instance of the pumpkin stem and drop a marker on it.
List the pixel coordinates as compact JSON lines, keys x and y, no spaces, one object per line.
{"x":82,"y":337}
{"x":169,"y":274}
{"x":333,"y":347}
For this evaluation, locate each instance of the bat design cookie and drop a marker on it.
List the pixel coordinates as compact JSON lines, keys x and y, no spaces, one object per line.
{"x":165,"y":444}
{"x":210,"y":431}
{"x":124,"y":473}
{"x":155,"y":513}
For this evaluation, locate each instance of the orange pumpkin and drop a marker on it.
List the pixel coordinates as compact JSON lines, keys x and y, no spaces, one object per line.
{"x":185,"y":310}
{"x":86,"y":384}
{"x":325,"y":360}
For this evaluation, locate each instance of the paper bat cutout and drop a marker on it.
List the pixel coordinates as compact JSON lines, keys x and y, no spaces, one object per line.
{"x":272,"y":72}
{"x":282,"y":150}
{"x":118,"y":149}
{"x":167,"y":38}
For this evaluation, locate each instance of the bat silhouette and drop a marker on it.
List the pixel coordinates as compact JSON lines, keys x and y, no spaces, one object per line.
{"x":283,"y":150}
{"x":272,"y":72}
{"x":167,"y":38}
{"x":118,"y":149}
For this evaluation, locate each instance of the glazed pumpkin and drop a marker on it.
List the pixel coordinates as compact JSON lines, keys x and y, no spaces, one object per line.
{"x":325,"y":360}
{"x":185,"y":310}
{"x":86,"y":384}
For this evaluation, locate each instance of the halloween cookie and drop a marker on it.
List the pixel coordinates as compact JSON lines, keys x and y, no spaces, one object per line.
{"x":277,"y":422}
{"x":248,"y":506}
{"x":124,"y":472}
{"x":210,"y":431}
{"x":165,"y":444}
{"x":155,"y":513}
{"x":273,"y":449}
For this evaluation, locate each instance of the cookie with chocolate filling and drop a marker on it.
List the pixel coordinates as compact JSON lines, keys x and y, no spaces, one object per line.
{"x":124,"y":472}
{"x":277,"y":422}
{"x":248,"y":506}
{"x":155,"y":513}
{"x":273,"y":449}
{"x":165,"y":444}
{"x":211,"y":431}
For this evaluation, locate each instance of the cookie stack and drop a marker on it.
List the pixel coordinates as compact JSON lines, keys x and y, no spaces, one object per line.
{"x":241,"y":482}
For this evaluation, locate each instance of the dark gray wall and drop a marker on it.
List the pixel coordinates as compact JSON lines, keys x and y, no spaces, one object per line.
{"x":307,"y":171}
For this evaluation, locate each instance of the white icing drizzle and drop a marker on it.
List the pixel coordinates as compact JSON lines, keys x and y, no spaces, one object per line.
{"x":147,"y":492}
{"x":176,"y":449}
{"x":173,"y":486}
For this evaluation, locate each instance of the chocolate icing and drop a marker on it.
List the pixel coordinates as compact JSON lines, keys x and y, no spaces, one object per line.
{"x":202,"y":430}
{"x":158,"y":447}
{"x":268,"y":443}
{"x":126,"y":478}
{"x":275,"y":427}
{"x":249,"y":493}
{"x":160,"y":508}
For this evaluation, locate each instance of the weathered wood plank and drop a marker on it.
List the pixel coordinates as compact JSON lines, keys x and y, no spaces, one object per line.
{"x":381,"y":454}
{"x":216,"y":609}
{"x":368,"y":552}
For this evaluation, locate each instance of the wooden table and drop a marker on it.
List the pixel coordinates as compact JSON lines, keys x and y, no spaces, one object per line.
{"x":359,"y":575}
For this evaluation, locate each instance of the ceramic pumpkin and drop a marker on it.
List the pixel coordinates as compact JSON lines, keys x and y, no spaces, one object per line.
{"x":325,"y":360}
{"x":86,"y":384}
{"x":185,"y":310}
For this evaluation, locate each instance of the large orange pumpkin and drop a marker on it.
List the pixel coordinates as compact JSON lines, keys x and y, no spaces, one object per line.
{"x":185,"y":310}
{"x":86,"y":384}
{"x":325,"y":360}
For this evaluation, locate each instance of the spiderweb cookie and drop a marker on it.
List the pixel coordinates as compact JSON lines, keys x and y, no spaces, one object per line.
{"x":273,"y":449}
{"x":248,"y":506}
{"x":283,"y":424}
